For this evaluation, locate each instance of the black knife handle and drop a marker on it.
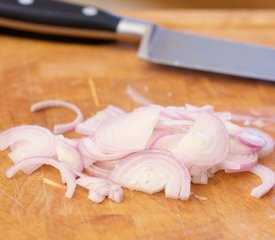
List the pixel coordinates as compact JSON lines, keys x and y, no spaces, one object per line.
{"x":58,"y":14}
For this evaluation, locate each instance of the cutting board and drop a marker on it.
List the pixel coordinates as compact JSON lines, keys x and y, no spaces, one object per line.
{"x":92,"y":76}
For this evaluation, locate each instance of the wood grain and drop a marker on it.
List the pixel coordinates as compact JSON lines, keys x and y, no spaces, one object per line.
{"x":34,"y":207}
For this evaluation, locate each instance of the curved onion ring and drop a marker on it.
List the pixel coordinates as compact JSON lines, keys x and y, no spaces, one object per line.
{"x":68,"y":154}
{"x":67,"y":175}
{"x":268,"y":178}
{"x":205,"y":144}
{"x":60,"y":128}
{"x":129,"y":132}
{"x":267,"y":147}
{"x":151,"y":171}
{"x":89,"y":126}
{"x":239,"y":162}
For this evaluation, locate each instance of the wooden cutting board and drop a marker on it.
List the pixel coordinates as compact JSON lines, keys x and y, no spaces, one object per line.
{"x":35,"y":207}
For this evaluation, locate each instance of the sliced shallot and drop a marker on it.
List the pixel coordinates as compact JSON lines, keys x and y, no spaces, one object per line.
{"x":60,"y":128}
{"x":66,"y":174}
{"x":127,"y":133}
{"x":205,"y":144}
{"x":268,"y":180}
{"x":151,"y":171}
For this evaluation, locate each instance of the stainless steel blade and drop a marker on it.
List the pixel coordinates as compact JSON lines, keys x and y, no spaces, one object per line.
{"x":207,"y":54}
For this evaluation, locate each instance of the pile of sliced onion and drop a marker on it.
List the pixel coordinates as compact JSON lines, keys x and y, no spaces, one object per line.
{"x":151,"y":149}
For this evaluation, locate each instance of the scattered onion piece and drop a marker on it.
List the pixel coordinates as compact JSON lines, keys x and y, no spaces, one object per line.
{"x":151,"y":171}
{"x":67,"y":175}
{"x":60,"y":128}
{"x":90,"y":126}
{"x":127,"y":133}
{"x":268,"y":178}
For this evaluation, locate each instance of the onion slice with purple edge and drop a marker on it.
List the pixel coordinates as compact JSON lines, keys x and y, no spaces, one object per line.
{"x":151,"y":171}
{"x":89,"y":148}
{"x":68,"y":154}
{"x":268,"y":180}
{"x":205,"y":144}
{"x":60,"y":128}
{"x":28,"y":141}
{"x":254,"y":136}
{"x":66,"y":174}
{"x":239,"y":162}
{"x":127,"y":133}
{"x":100,"y":188}
{"x":89,"y":126}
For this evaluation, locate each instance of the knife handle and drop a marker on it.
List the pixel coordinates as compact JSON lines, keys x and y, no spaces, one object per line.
{"x":64,"y":19}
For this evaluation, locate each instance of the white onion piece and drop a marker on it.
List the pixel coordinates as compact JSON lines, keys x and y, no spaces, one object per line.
{"x":89,"y":148}
{"x":225,"y":116}
{"x":151,"y":171}
{"x":268,"y":146}
{"x":100,"y":188}
{"x":268,"y":180}
{"x":67,"y":175}
{"x":236,"y":147}
{"x":60,"y":128}
{"x":127,"y":133}
{"x":27,"y":141}
{"x":97,"y":171}
{"x":248,"y":137}
{"x":205,"y":144}
{"x":239,"y":162}
{"x":68,"y":154}
{"x":89,"y":126}
{"x":205,"y":108}
{"x":232,"y":129}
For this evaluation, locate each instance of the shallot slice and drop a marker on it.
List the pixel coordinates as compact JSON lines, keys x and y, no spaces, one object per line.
{"x":89,"y":126}
{"x":66,"y":174}
{"x":68,"y":154}
{"x":205,"y":144}
{"x":267,"y":146}
{"x":239,"y":162}
{"x":89,"y":148}
{"x":27,"y":141}
{"x":60,"y":128}
{"x":129,"y":132}
{"x":151,"y":171}
{"x":268,"y":180}
{"x":100,"y":188}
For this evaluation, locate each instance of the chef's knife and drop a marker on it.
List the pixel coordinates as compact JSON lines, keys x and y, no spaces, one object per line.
{"x":157,"y":45}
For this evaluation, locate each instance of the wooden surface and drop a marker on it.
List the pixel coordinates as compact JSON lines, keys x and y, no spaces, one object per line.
{"x":35,"y":207}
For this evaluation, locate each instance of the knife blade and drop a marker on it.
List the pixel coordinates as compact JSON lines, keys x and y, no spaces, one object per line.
{"x":157,"y":45}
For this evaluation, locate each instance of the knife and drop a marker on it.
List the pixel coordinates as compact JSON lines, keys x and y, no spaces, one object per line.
{"x":157,"y":45}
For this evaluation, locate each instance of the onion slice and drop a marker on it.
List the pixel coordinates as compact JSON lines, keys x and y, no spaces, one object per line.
{"x":27,"y":141}
{"x":205,"y":144}
{"x":60,"y":128}
{"x":151,"y":171}
{"x":69,"y":154}
{"x":100,"y":188}
{"x":89,"y":126}
{"x":268,"y":178}
{"x":66,"y":174}
{"x":129,"y":132}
